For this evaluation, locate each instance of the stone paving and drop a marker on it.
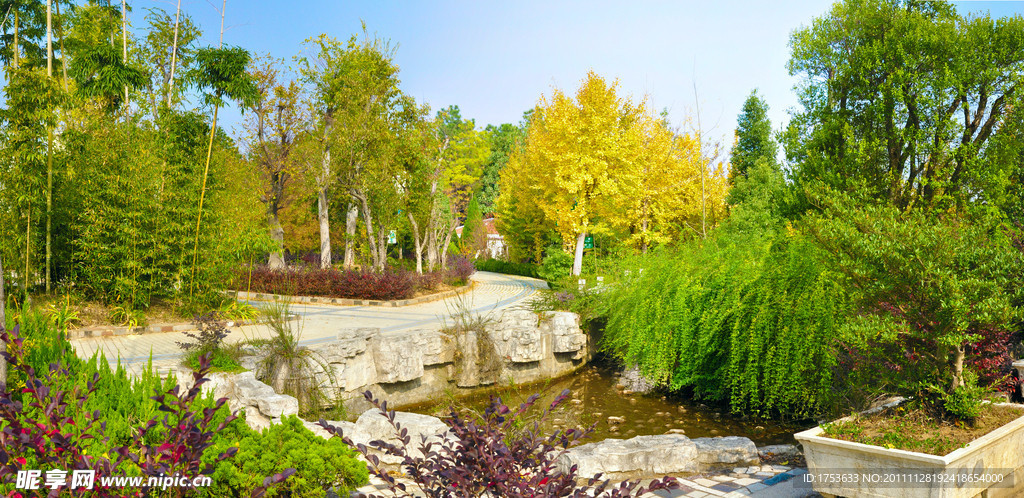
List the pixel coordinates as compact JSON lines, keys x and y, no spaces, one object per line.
{"x":740,"y":482}
{"x":321,"y":322}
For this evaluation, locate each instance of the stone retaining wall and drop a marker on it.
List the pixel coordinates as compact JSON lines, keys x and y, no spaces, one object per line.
{"x":417,"y":366}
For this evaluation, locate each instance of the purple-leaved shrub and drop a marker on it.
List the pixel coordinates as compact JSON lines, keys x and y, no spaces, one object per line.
{"x":489,"y":457}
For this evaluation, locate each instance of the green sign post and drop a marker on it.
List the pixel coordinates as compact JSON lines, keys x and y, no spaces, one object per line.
{"x":588,"y":242}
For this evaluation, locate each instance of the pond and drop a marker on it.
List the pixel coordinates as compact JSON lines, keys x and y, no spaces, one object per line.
{"x":595,"y":398}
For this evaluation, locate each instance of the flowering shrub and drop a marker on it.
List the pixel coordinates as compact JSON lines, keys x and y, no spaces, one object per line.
{"x":489,"y":457}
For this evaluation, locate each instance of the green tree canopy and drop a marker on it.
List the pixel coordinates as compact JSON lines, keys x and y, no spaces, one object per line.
{"x":753,"y":138}
{"x":906,"y":101}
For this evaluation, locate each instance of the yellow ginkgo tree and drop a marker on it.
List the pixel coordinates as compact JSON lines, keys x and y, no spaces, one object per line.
{"x":575,"y":148}
{"x":599,"y":163}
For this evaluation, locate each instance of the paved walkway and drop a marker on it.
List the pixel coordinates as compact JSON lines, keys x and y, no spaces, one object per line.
{"x":765,"y":481}
{"x":320,"y":323}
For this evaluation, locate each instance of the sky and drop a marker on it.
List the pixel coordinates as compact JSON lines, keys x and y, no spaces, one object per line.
{"x":494,"y":59}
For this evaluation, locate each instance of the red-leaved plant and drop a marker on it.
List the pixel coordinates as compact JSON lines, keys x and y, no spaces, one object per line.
{"x":42,"y":432}
{"x":487,"y":457}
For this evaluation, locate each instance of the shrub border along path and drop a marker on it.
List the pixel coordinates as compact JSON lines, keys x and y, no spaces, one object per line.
{"x":258,"y":296}
{"x":111,"y":331}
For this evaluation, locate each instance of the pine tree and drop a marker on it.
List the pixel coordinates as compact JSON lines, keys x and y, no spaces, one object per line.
{"x":753,"y":137}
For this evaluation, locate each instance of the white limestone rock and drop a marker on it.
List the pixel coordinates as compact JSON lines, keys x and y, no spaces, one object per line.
{"x":564,"y":327}
{"x":641,"y":456}
{"x":731,"y":451}
{"x":397,"y":357}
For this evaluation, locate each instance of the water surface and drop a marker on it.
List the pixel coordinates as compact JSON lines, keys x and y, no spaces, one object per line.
{"x":596,"y":399}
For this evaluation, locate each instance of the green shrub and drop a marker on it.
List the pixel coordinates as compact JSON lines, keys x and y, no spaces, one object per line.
{"x":746,"y":320}
{"x":319,"y":463}
{"x":507,"y":267}
{"x":966,"y":400}
{"x":557,"y":265}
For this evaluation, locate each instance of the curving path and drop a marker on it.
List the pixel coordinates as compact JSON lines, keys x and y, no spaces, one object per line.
{"x":320,"y":323}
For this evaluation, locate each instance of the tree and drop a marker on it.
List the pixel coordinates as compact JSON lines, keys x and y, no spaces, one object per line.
{"x":222,"y":73}
{"x":670,"y":189}
{"x":753,"y":138}
{"x":930,"y":286}
{"x":474,"y":234}
{"x":168,"y":48}
{"x":573,"y":152}
{"x":903,"y":100}
{"x":354,"y":90}
{"x":274,"y":127}
{"x":456,"y":157}
{"x":502,"y":140}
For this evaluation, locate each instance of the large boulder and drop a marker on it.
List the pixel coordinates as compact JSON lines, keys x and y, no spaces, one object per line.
{"x":373,"y":426}
{"x":398,"y":356}
{"x":645,"y":457}
{"x":726,"y":452}
{"x":639,"y":457}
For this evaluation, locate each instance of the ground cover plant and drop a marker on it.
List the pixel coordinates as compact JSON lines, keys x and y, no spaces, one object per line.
{"x":482,"y":457}
{"x":319,"y":464}
{"x":914,"y":430}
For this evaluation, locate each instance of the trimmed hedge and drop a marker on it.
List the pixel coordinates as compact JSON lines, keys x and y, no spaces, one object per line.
{"x":507,"y":267}
{"x":391,"y":284}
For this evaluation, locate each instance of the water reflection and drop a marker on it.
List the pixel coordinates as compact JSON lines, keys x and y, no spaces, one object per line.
{"x":596,"y":399}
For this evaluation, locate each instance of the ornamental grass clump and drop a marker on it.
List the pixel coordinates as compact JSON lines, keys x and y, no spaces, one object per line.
{"x":483,"y":457}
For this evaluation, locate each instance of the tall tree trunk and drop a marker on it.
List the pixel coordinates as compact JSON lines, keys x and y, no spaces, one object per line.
{"x":60,"y":33}
{"x":351,"y":222}
{"x":323,"y":215}
{"x":418,"y":242}
{"x":577,"y":260}
{"x":323,"y":206}
{"x":431,"y":246}
{"x":958,"y":368}
{"x":276,"y":260}
{"x":49,"y":146}
{"x":447,"y":241}
{"x":174,"y":53}
{"x":371,"y":234}
{"x":28,"y":240}
{"x":202,"y":197}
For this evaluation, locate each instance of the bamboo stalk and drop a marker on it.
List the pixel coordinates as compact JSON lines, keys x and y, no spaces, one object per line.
{"x":49,"y":147}
{"x":174,"y":53}
{"x":206,"y":171}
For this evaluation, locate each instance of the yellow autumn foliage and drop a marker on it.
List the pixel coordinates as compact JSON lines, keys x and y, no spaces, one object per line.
{"x":601,"y":164}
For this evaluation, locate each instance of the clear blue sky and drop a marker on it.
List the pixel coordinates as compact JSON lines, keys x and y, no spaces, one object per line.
{"x":495,"y":58}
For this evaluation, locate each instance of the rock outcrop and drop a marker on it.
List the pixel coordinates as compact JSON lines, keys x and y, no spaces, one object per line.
{"x":654,"y":456}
